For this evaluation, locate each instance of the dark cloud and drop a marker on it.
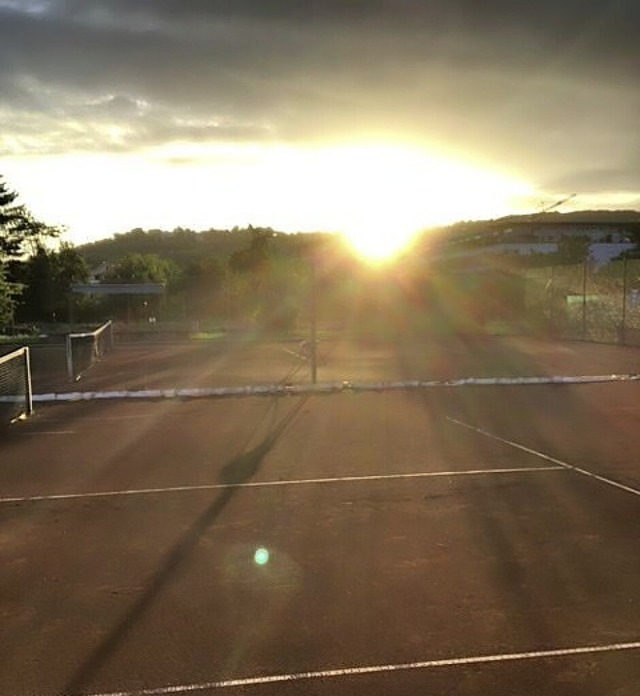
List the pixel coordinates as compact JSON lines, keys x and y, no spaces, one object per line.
{"x":542,"y":88}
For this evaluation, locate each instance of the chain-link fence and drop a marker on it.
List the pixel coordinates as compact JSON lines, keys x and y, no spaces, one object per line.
{"x":585,"y":301}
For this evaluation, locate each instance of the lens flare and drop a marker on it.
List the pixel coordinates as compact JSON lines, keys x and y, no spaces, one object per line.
{"x":261,"y":556}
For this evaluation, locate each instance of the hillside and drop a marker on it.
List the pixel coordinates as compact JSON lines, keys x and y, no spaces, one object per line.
{"x":483,"y":230}
{"x":578,"y":216}
{"x":184,"y":246}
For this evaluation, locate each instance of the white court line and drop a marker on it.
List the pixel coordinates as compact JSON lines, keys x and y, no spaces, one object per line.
{"x":138,"y":416}
{"x":99,"y":419}
{"x":546,"y":457}
{"x":268,"y":484}
{"x":50,"y":432}
{"x":376,"y":669}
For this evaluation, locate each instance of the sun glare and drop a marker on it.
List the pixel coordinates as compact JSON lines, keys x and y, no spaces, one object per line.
{"x":378,"y":196}
{"x":380,"y":237}
{"x":376,"y":246}
{"x":382,"y":196}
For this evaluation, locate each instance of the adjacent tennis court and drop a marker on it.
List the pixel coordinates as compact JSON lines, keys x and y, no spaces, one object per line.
{"x":468,"y":538}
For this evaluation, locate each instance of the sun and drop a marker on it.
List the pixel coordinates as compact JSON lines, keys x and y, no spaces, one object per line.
{"x":381,"y":196}
{"x":380,"y":238}
{"x":376,"y":246}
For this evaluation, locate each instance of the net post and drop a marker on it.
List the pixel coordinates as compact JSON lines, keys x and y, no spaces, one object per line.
{"x":27,"y":380}
{"x":69,"y":353}
{"x":110,"y":342}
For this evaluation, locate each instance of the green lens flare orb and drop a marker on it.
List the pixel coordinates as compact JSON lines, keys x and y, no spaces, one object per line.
{"x":261,"y":556}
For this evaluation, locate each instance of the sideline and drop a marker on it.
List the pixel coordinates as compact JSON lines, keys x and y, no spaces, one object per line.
{"x":269,"y":484}
{"x":546,"y":457}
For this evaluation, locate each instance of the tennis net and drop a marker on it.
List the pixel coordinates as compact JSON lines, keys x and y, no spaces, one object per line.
{"x":15,"y":386}
{"x":85,"y":349}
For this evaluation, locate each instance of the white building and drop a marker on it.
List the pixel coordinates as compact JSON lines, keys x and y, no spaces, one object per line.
{"x":608,"y":240}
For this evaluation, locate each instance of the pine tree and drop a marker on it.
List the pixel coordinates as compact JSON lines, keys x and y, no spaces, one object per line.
{"x":20,"y":232}
{"x":8,"y":291}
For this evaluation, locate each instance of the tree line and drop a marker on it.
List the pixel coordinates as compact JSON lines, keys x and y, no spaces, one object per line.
{"x":251,"y":275}
{"x":259,"y":277}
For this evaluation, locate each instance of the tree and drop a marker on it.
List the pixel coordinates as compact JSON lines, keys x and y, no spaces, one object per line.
{"x":250,"y":270}
{"x":47,"y":277}
{"x":202,"y":283}
{"x":7,"y":298}
{"x":255,"y":258}
{"x":143,"y":268}
{"x":20,"y":232}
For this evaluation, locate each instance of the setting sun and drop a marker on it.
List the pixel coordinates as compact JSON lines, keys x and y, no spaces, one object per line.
{"x":377,"y":246}
{"x":382,"y":196}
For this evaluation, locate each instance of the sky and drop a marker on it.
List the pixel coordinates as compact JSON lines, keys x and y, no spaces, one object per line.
{"x":375,"y":118}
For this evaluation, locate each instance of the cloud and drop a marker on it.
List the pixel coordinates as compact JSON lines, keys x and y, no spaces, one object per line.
{"x":543,"y":89}
{"x":599,"y":180}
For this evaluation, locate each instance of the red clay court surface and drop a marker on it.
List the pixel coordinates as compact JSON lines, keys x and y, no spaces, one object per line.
{"x":473,"y":540}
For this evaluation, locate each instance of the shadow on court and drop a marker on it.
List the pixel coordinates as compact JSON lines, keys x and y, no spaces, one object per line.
{"x":239,"y":470}
{"x":536,"y":576}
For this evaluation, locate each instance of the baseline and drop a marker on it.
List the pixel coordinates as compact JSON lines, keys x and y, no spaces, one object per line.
{"x":377,"y":669}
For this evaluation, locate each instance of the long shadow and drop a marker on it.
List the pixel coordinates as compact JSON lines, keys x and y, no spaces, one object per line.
{"x":239,"y":470}
{"x":525,"y":577}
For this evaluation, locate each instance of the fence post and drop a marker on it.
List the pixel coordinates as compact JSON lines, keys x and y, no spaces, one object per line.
{"x":584,"y":300}
{"x":623,"y":338}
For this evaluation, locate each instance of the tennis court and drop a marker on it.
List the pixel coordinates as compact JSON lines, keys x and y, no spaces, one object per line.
{"x":460,"y":538}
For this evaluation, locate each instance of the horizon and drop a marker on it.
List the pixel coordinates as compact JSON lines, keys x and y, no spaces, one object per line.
{"x":525,"y":217}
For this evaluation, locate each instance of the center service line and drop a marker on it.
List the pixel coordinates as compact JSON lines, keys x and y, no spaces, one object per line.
{"x":268,"y":484}
{"x":546,"y":457}
{"x":375,"y":669}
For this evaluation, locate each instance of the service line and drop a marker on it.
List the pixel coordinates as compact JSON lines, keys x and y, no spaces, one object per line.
{"x":270,"y":484}
{"x":546,"y":457}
